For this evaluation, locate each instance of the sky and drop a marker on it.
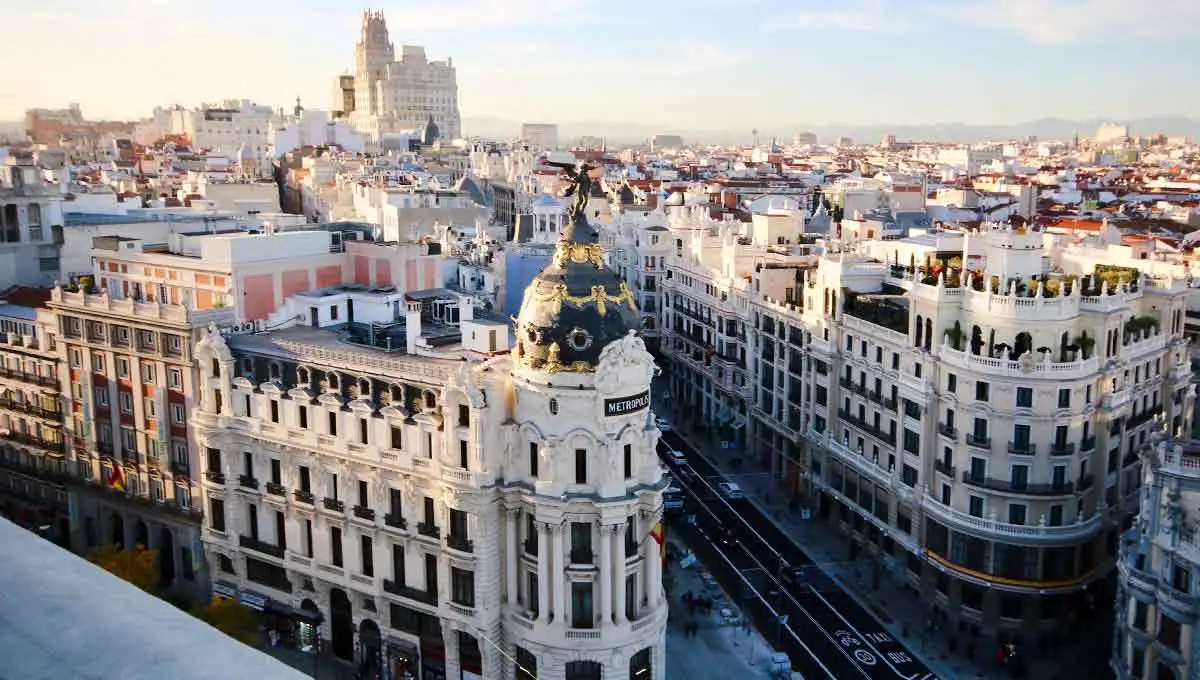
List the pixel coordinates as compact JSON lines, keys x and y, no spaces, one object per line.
{"x":688,"y":64}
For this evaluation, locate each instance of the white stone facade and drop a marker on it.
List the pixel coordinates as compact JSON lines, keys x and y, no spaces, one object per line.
{"x":393,"y":95}
{"x":471,"y":511}
{"x":1156,"y":607}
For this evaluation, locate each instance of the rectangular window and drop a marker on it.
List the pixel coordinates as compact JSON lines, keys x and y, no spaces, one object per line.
{"x":628,"y":461}
{"x":581,"y":466}
{"x":1016,"y":513}
{"x":148,"y":373}
{"x":982,"y":391}
{"x":533,"y":460}
{"x":1025,"y":397}
{"x":308,"y":538}
{"x":1064,"y":398}
{"x":302,"y":417}
{"x":276,"y":471}
{"x":462,"y":587}
{"x":126,"y":400}
{"x":363,"y":499}
{"x":305,"y":479}
{"x":335,"y":546}
{"x":464,"y":415}
{"x":216,"y":514}
{"x":951,"y":383}
{"x":362,"y":431}
{"x":177,"y":414}
{"x":368,"y":556}
{"x":464,"y":460}
{"x":975,"y":506}
{"x":333,"y":418}
{"x":397,"y":437}
{"x":98,"y":363}
{"x":581,"y":604}
{"x":123,"y":368}
{"x":274,"y":410}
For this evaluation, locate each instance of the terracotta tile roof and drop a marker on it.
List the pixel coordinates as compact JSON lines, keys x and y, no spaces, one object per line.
{"x":26,"y":296}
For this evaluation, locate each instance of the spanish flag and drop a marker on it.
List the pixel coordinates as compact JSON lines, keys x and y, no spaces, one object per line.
{"x":116,"y":478}
{"x":659,"y":534}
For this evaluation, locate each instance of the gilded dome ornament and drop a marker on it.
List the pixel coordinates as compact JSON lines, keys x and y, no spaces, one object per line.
{"x":579,"y":339}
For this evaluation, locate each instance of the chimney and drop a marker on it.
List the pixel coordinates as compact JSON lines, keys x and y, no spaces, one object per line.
{"x":412,"y":326}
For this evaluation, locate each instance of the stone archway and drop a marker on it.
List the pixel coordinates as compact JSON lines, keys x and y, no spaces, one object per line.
{"x":370,"y":647}
{"x":117,"y":537}
{"x":166,"y":557}
{"x":341,"y":624}
{"x":584,"y":670}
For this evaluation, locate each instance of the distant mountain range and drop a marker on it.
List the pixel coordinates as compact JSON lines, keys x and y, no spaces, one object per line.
{"x":1045,"y":128}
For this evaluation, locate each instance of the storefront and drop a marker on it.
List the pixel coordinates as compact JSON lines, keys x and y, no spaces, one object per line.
{"x":433,"y":658}
{"x":404,"y":660}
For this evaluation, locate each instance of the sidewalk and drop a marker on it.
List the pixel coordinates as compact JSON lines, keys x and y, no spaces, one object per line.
{"x":896,"y":605}
{"x":732,"y":651}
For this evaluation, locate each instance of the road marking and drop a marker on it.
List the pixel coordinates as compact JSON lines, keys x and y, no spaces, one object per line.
{"x":864,"y":657}
{"x":857,"y":636}
{"x":696,"y":451}
{"x":795,"y":602}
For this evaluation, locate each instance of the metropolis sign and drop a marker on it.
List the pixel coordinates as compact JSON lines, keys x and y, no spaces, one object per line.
{"x":622,"y":406}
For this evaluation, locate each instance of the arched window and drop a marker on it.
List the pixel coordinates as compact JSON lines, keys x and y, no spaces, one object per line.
{"x":928,"y":333}
{"x":919,"y":336}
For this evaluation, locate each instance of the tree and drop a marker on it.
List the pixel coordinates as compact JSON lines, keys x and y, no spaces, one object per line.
{"x":231,"y":618}
{"x":138,"y":566}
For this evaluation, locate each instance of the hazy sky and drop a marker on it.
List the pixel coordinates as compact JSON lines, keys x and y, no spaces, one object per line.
{"x":682,"y":63}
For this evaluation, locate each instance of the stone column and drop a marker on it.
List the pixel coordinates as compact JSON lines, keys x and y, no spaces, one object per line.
{"x":606,"y":573}
{"x":225,"y":384}
{"x":543,"y":566}
{"x":510,"y":559}
{"x":653,"y":573}
{"x":619,"y":574}
{"x":450,"y":641}
{"x":559,"y":572}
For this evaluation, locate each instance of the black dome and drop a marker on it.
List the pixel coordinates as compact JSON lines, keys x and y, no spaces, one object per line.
{"x":574,"y":307}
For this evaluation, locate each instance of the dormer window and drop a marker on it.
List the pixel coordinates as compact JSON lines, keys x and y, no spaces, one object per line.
{"x":430,"y":400}
{"x":332,"y":380}
{"x":364,"y":387}
{"x":397,"y":394}
{"x":302,"y":376}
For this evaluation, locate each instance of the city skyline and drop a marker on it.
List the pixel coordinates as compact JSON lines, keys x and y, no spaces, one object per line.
{"x":862,"y":63}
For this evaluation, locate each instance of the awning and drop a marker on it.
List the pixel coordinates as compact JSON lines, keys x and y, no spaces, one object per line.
{"x":253,"y":600}
{"x":223,"y":589}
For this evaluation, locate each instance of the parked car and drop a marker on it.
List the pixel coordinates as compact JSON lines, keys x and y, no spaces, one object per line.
{"x":676,"y":458}
{"x":672,"y":498}
{"x":730,"y":491}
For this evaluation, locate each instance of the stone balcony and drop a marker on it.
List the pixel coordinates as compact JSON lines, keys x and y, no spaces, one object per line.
{"x":991,"y":528}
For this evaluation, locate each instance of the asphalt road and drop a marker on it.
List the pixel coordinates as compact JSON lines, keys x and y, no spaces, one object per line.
{"x":827,"y":634}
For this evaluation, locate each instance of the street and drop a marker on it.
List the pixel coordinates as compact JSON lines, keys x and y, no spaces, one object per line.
{"x":824,"y":630}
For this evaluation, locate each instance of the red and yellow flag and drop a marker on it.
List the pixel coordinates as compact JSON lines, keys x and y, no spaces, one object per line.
{"x":116,"y":477}
{"x":659,"y":534}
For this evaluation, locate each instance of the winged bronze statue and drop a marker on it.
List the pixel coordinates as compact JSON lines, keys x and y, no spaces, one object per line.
{"x":580,"y":187}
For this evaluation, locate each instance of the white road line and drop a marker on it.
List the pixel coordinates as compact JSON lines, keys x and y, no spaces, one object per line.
{"x":785,"y":591}
{"x":865,"y":639}
{"x":856,"y":663}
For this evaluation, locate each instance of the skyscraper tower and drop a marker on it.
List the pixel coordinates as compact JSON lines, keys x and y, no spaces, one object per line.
{"x":373,"y":53}
{"x":585,"y":586}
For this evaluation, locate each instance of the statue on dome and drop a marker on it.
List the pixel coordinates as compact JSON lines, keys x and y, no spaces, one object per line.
{"x":580,"y":187}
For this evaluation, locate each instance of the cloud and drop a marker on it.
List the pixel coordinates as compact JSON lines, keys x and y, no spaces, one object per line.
{"x":1061,"y":22}
{"x":865,"y":16}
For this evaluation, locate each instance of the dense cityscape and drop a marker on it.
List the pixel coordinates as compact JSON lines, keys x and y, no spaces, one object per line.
{"x":348,"y":391}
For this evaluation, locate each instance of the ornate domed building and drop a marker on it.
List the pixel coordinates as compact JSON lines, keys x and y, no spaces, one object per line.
{"x":454,"y":511}
{"x":575,"y":307}
{"x":588,"y":579}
